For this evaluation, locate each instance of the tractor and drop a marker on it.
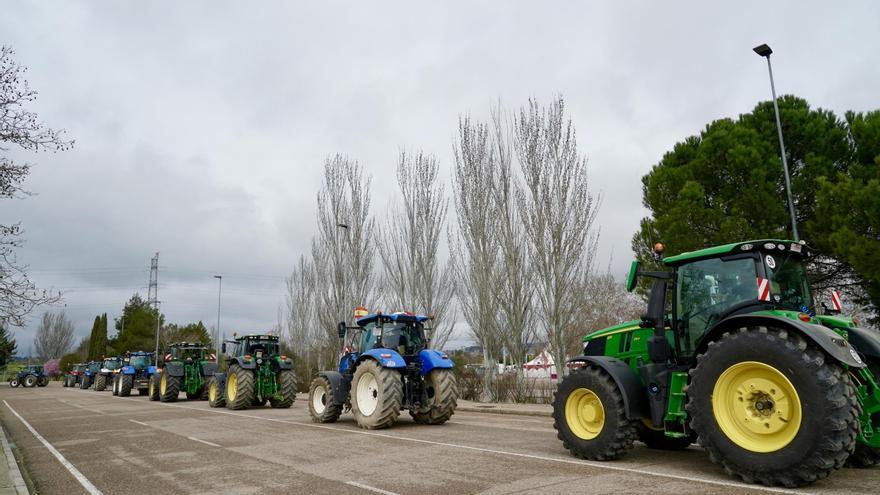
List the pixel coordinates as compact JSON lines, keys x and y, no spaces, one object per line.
{"x":256,"y":372}
{"x":74,"y":376}
{"x":134,"y":374}
{"x":730,"y":353}
{"x":389,"y":369}
{"x":109,"y":368}
{"x":188,"y":366}
{"x":31,"y":376}
{"x":91,"y":372}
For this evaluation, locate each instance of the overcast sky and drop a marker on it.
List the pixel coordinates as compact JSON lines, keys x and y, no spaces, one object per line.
{"x":201,"y":127}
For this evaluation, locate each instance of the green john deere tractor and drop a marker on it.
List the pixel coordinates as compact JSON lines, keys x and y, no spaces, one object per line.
{"x":188,"y":366}
{"x":731,"y":353}
{"x":256,"y":372}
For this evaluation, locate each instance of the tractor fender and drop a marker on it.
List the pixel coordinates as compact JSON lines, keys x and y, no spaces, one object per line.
{"x":339,"y":384}
{"x":127,"y":370}
{"x":152,"y":370}
{"x":173,"y":369}
{"x":431,"y":359}
{"x":247,"y":365}
{"x":285,"y":364}
{"x":386,"y":358}
{"x":865,"y":341}
{"x":634,"y":393}
{"x":828,"y":340}
{"x":209,"y":368}
{"x":221,"y":381}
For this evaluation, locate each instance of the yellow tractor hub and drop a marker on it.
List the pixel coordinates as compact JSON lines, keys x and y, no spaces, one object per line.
{"x":163,"y":384}
{"x":757,"y":407}
{"x":584,"y":413}
{"x":231,"y":387}
{"x":212,"y":391}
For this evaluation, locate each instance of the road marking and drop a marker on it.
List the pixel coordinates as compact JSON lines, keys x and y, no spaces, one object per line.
{"x":139,"y":423}
{"x":90,"y":488}
{"x":194,"y":439}
{"x":597,"y":465}
{"x":369,"y":488}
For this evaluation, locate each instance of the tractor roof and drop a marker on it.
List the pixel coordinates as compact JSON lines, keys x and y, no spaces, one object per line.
{"x":139,"y":353}
{"x":190,"y":345}
{"x":736,"y":247}
{"x":257,"y":336}
{"x":396,"y":317}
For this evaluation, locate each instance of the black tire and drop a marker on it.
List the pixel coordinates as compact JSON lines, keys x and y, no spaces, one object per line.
{"x":385,"y":386}
{"x":239,"y":391}
{"x":116,"y":384}
{"x":215,"y":389}
{"x":125,"y":385}
{"x":100,"y":383}
{"x":827,"y":405}
{"x":169,"y":387}
{"x":866,"y":456}
{"x":64,"y":382}
{"x":287,"y":384}
{"x":43,"y":381}
{"x":153,"y":387}
{"x":85,"y":383}
{"x":616,"y":434}
{"x":30,"y":381}
{"x":322,"y":408}
{"x":14,"y":383}
{"x":657,"y":439}
{"x":442,"y":398}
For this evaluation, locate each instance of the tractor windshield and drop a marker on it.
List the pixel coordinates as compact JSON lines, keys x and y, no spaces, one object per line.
{"x":112,"y":364}
{"x":788,"y":282}
{"x":195,"y":353}
{"x":94,"y":367}
{"x":405,"y":338}
{"x":259,"y":347}
{"x":139,"y":362}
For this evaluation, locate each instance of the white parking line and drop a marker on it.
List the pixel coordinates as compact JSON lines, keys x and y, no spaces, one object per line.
{"x":90,"y":488}
{"x":597,"y":465}
{"x":139,"y":423}
{"x":369,"y":488}
{"x":212,"y":444}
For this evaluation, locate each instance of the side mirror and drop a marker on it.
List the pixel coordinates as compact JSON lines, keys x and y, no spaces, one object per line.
{"x":633,"y":276}
{"x":340,"y":328}
{"x":223,"y":348}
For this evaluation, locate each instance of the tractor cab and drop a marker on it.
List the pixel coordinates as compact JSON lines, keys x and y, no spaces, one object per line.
{"x":186,"y":351}
{"x":257,"y":346}
{"x":138,"y":360}
{"x":112,"y":363}
{"x":36,"y":369}
{"x":402,"y":332}
{"x":93,"y":367}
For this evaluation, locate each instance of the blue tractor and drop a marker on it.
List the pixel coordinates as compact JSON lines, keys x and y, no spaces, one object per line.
{"x":93,"y":369}
{"x":109,"y":368}
{"x":386,"y":367}
{"x":134,"y":374}
{"x":32,"y":376}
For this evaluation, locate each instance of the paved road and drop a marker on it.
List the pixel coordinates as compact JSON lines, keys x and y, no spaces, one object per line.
{"x":132,"y":446}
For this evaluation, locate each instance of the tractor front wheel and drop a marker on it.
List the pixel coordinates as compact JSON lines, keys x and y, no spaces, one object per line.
{"x":215,"y":392}
{"x":169,"y":387}
{"x":100,"y":383}
{"x":764,"y":393}
{"x":590,"y":418}
{"x":442,"y":396}
{"x":13,"y":383}
{"x":239,"y":388}
{"x":153,"y":388}
{"x":377,"y":393}
{"x":125,"y":385}
{"x":322,"y":407}
{"x":287,"y":388}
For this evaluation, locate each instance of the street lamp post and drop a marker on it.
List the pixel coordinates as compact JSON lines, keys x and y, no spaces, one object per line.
{"x":765,"y":51}
{"x":342,"y":273}
{"x":217,"y":330}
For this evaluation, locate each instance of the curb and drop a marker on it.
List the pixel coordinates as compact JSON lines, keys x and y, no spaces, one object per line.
{"x":499,"y":410}
{"x":12,"y":465}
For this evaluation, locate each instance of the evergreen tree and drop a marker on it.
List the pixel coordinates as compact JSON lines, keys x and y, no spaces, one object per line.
{"x":91,"y":355}
{"x":7,"y":344}
{"x":139,"y":333}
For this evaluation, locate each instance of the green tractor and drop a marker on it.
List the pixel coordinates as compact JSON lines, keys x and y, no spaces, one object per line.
{"x":187,"y":367}
{"x":739,"y":361}
{"x":256,"y":372}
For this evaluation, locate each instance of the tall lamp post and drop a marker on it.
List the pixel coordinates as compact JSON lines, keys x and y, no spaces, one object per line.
{"x":765,"y":51}
{"x":217,"y":330}
{"x":342,"y":274}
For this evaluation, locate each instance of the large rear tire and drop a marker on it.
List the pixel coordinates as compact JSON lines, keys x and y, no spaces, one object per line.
{"x":590,"y":418}
{"x":42,"y":381}
{"x":442,"y":398}
{"x":153,"y":387}
{"x":287,"y":386}
{"x":322,"y":408}
{"x":376,"y":395}
{"x":215,"y":392}
{"x":125,"y":385}
{"x":64,"y":382}
{"x":100,"y":383}
{"x":239,"y":388}
{"x":765,"y":393}
{"x":169,"y":387}
{"x":84,"y":384}
{"x":116,"y":384}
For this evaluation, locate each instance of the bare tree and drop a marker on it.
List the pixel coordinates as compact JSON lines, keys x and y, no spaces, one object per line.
{"x":301,"y":304}
{"x":18,"y":295}
{"x":558,"y":212}
{"x":54,"y":336}
{"x":415,"y":280}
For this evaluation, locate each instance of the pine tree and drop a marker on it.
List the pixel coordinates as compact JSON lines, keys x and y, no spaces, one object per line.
{"x":7,"y":344}
{"x":91,"y":356}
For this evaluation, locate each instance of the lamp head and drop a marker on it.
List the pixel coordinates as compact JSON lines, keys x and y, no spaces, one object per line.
{"x":763,"y":50}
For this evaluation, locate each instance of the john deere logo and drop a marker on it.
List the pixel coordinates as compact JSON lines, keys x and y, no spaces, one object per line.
{"x":855,"y":355}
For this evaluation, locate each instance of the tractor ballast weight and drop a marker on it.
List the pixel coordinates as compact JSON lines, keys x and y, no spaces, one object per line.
{"x":134,"y":374}
{"x":741,"y":362}
{"x":393,"y":371}
{"x":256,"y":373}
{"x":187,"y":367}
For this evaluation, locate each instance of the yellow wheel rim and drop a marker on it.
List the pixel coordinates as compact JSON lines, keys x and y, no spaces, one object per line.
{"x":584,"y":413}
{"x":151,"y":388}
{"x":757,"y":407}
{"x":212,"y":392}
{"x":231,"y":387}
{"x":163,"y":384}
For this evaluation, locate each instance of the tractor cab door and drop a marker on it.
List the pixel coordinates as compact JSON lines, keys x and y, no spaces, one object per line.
{"x":706,"y":291}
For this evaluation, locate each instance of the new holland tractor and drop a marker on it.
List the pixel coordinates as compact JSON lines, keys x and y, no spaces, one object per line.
{"x":92,"y":370}
{"x":134,"y":374}
{"x":256,"y":373}
{"x":187,"y":367}
{"x":109,"y":368}
{"x":730,"y":353}
{"x":391,"y":369}
{"x":74,"y":376}
{"x":31,"y":376}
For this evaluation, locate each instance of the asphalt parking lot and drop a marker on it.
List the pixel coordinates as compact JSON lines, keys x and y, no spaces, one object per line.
{"x":107,"y":444}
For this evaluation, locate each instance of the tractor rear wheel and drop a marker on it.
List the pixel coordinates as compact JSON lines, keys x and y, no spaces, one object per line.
{"x":125,"y":385}
{"x":30,"y":381}
{"x":169,"y":387}
{"x":747,"y":402}
{"x":84,"y":384}
{"x":215,"y":392}
{"x":43,"y":381}
{"x":100,"y":383}
{"x":287,"y":387}
{"x":442,"y":397}
{"x":868,"y":455}
{"x":153,"y":388}
{"x":64,"y":382}
{"x":655,"y":438}
{"x":116,"y":384}
{"x":590,"y":418}
{"x":322,"y":408}
{"x":377,"y":394}
{"x":239,"y":388}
